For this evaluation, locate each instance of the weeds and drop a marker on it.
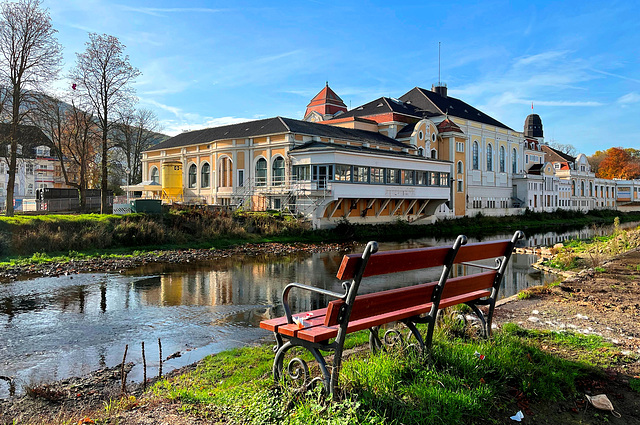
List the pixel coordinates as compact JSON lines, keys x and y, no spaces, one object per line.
{"x":449,"y":386}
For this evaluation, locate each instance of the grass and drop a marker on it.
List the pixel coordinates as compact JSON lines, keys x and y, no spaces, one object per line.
{"x":450,"y":386}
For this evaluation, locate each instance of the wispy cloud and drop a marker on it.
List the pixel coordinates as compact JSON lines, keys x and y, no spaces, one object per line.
{"x":189,"y":121}
{"x":628,"y":98}
{"x":543,"y":58}
{"x":610,"y":74}
{"x":160,"y":11}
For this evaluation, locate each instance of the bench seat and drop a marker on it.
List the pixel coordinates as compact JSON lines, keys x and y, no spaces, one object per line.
{"x":325,"y":329}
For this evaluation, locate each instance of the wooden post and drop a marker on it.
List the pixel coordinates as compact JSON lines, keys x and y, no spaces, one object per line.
{"x":144,"y":368}
{"x":160,"y":350}
{"x":123,"y":377}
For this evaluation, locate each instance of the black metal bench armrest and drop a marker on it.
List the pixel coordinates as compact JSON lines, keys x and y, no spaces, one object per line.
{"x":289,"y":287}
{"x":481,"y":266}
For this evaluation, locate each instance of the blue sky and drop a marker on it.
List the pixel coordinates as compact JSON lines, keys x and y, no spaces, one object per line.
{"x":208,"y":63}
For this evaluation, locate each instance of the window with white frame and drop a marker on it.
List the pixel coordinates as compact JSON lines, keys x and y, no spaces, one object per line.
{"x":192,"y":177}
{"x":476,"y":164}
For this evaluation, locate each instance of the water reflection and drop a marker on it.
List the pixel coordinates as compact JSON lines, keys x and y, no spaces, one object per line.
{"x":52,"y":328}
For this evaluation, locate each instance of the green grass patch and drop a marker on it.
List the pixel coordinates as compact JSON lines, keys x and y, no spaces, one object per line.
{"x":634,"y":383}
{"x":449,"y":386}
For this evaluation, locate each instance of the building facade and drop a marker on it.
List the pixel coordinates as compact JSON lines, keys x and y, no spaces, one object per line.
{"x":422,"y":156}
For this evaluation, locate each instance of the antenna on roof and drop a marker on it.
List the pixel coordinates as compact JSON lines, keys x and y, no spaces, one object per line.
{"x":439,"y":80}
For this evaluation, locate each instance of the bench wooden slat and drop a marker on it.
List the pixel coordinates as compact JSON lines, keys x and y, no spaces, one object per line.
{"x":463,"y":284}
{"x":324,"y":333}
{"x":393,"y":261}
{"x":293,"y":328}
{"x":273,"y":324}
{"x":481,"y":251}
{"x":382,"y":302}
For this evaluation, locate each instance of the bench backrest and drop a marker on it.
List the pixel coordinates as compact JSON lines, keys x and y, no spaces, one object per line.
{"x":418,"y":258}
{"x":415,"y":259}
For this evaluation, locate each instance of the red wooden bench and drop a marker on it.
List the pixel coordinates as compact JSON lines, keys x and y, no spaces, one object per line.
{"x":325,"y":329}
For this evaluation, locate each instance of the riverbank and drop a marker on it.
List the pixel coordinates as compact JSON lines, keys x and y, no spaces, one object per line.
{"x":51,"y":266}
{"x":600,"y":355}
{"x":33,"y":239}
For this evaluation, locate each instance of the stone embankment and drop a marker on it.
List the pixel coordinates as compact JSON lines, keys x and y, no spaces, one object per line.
{"x":120,"y":264}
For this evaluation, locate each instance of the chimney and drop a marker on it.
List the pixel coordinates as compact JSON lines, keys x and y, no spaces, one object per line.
{"x":440,"y":88}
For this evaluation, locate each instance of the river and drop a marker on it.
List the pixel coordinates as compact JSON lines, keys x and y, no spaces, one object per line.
{"x":54,"y":328}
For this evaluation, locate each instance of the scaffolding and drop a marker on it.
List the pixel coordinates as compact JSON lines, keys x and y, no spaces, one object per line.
{"x":297,"y":198}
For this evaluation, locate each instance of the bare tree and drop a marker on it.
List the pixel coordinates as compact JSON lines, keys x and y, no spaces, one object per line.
{"x":566,"y":148}
{"x":75,"y":138}
{"x":30,"y":56}
{"x":136,"y":132}
{"x":103,"y":75}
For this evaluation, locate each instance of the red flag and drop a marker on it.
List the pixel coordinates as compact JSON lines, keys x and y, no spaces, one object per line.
{"x":532,"y":106}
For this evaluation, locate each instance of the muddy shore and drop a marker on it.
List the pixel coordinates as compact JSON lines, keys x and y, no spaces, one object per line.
{"x":603,"y":303}
{"x":119,"y":265}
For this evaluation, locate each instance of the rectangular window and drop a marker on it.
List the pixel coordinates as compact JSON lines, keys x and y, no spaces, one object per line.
{"x":409,"y":177}
{"x":434,"y":179}
{"x":444,"y":179}
{"x":343,"y":173}
{"x":240,"y":178}
{"x":393,"y":176}
{"x":526,"y":158}
{"x":421,"y":178}
{"x":460,"y":186}
{"x":377,"y":175}
{"x":459,"y":146}
{"x":360,"y":174}
{"x":302,"y":172}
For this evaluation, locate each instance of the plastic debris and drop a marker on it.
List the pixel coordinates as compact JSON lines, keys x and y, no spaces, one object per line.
{"x":480,"y":356}
{"x":602,"y":402}
{"x":518,"y":416}
{"x":300,"y":320}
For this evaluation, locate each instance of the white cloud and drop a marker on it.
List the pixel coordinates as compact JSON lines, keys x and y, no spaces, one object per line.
{"x":541,"y":58}
{"x":173,"y":127}
{"x":190,"y":121}
{"x":628,"y":98}
{"x":610,"y":74}
{"x":159,"y":11}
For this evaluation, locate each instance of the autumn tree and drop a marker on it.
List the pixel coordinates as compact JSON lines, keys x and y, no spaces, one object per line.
{"x":75,"y":138}
{"x":103,"y":76}
{"x":30,"y":56}
{"x":136,"y":132}
{"x":619,"y":163}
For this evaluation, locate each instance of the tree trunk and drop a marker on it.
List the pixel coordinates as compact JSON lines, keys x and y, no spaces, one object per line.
{"x":14,"y":150}
{"x":104,"y":207}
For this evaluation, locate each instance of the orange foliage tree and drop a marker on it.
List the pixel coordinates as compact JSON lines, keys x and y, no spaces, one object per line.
{"x":619,"y":163}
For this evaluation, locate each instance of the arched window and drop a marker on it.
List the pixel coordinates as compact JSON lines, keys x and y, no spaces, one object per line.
{"x":475,"y":156}
{"x":192,"y":176}
{"x":590,"y":188}
{"x":155,"y":175}
{"x":225,"y":172}
{"x":582,"y":188}
{"x":204,"y":175}
{"x":434,"y":154}
{"x":261,"y":172}
{"x":573,"y":188}
{"x":502,"y":159}
{"x":421,"y":151}
{"x":489,"y":157}
{"x":514,"y":161}
{"x":460,"y":169}
{"x":277,"y":171}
